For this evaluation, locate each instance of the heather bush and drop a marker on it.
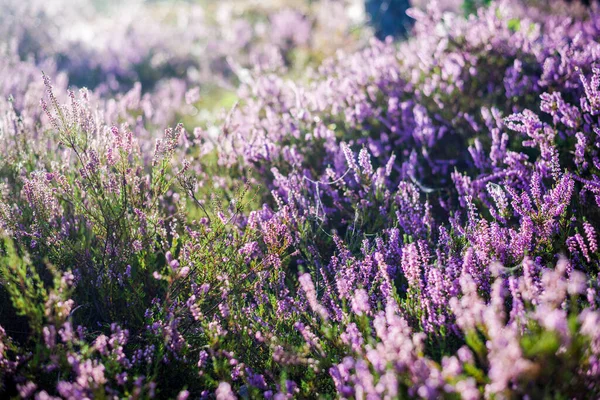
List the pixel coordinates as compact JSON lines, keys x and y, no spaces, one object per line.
{"x":411,"y":219}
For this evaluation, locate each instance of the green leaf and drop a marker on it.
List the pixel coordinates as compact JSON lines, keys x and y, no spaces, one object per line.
{"x":514,"y":24}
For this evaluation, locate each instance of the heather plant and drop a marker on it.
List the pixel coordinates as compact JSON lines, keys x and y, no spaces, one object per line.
{"x":411,"y":219}
{"x":110,"y":46}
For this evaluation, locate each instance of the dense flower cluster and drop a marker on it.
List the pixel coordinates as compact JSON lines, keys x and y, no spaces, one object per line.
{"x":412,"y":219}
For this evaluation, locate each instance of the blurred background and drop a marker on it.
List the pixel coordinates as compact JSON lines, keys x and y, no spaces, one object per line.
{"x":109,"y":46}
